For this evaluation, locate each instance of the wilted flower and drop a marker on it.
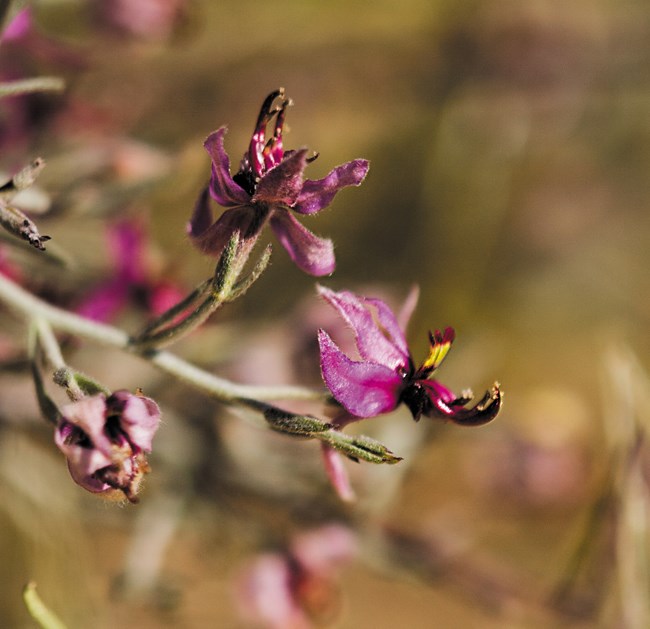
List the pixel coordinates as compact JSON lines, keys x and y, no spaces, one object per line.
{"x":267,"y":186}
{"x":105,"y":440}
{"x":386,"y":375}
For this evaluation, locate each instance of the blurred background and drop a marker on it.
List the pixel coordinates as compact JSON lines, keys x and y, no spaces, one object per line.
{"x":510,"y":147}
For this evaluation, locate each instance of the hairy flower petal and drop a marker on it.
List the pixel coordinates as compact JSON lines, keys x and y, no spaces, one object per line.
{"x":374,"y":345}
{"x":139,"y":417}
{"x":282,"y":183}
{"x":223,"y":188}
{"x":211,"y":237}
{"x":312,"y":254}
{"x":316,"y":195}
{"x":391,"y":325}
{"x":365,"y":389}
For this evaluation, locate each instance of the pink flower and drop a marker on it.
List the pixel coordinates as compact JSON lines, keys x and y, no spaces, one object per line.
{"x":386,"y":375}
{"x":106,"y":439}
{"x":144,"y":19}
{"x":129,"y":280}
{"x":297,"y":589}
{"x":269,"y":186}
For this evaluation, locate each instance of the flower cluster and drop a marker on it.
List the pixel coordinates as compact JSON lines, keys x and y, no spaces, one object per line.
{"x":105,"y":437}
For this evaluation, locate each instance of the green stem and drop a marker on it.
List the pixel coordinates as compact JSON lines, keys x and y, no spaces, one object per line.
{"x":28,"y":86}
{"x":37,"y":609}
{"x":174,"y":311}
{"x":48,"y":408}
{"x":221,"y":389}
{"x":183,"y":328}
{"x":220,"y":286}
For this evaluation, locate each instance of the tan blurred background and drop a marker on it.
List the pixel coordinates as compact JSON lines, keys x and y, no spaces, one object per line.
{"x":510,"y":147}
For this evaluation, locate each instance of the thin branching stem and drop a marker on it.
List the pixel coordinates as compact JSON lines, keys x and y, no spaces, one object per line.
{"x":29,"y":86}
{"x":29,"y":306}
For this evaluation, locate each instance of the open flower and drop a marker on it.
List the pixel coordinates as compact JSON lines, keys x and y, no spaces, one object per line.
{"x":267,"y":186}
{"x":386,"y":375}
{"x":105,"y":440}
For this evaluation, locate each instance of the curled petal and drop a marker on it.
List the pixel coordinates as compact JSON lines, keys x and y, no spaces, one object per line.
{"x":104,"y":440}
{"x":316,"y":195}
{"x":282,"y":183}
{"x":408,"y":307}
{"x":139,"y":417}
{"x":481,"y":413}
{"x":223,"y":188}
{"x":365,"y":389}
{"x":374,"y":345}
{"x":211,"y":238}
{"x":312,"y":254}
{"x":80,"y":436}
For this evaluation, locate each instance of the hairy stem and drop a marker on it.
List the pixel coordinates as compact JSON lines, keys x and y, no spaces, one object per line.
{"x":29,"y":306}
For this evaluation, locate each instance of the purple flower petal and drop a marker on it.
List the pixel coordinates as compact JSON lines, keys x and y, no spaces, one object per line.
{"x":408,"y":307}
{"x":372,"y":342}
{"x":125,"y":245}
{"x":19,"y":27}
{"x":222,"y":187}
{"x":282,"y":183}
{"x":312,"y":254}
{"x":139,"y":417}
{"x":105,"y":301}
{"x":80,"y":436}
{"x":104,"y":441}
{"x":389,"y":322}
{"x":316,"y":195}
{"x":365,"y":389}
{"x":211,"y":238}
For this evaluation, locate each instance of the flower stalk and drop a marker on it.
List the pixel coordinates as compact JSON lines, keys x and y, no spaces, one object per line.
{"x":222,"y":288}
{"x":29,"y":306}
{"x":32,"y":85}
{"x":355,"y":447}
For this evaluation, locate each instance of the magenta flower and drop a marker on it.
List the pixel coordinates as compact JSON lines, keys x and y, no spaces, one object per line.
{"x":105,"y":440}
{"x":268,"y":186}
{"x":130,"y":279}
{"x":386,"y":375}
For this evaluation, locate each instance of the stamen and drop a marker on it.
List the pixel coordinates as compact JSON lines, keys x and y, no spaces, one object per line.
{"x":257,"y":152}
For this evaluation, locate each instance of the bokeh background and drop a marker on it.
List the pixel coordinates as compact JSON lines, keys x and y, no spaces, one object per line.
{"x":510,"y":148}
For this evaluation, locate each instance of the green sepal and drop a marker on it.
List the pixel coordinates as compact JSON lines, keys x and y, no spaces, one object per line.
{"x":361,"y":448}
{"x":290,"y":423}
